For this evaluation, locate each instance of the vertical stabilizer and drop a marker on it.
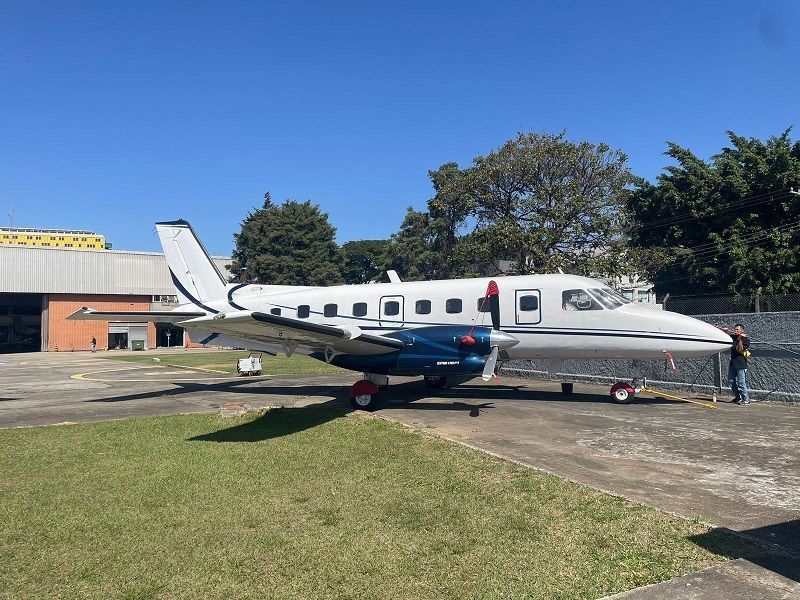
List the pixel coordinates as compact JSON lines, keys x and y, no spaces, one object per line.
{"x":196,"y":277}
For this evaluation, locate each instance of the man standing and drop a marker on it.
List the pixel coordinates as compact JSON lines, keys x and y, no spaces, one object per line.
{"x":737,"y":370}
{"x":94,"y":345}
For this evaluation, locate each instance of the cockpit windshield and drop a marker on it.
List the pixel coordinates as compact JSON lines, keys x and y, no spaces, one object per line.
{"x":608,"y":297}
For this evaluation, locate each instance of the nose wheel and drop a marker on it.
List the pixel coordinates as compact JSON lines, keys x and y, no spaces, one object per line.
{"x":622,"y":392}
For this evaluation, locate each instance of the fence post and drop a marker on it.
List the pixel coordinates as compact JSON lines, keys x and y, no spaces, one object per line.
{"x":758,"y":300}
{"x":718,"y":372}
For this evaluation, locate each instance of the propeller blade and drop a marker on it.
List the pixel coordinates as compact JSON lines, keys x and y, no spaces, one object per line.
{"x":488,"y":369}
{"x":493,"y":295}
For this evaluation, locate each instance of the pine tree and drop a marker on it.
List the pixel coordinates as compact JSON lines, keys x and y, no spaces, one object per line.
{"x":288,"y":244}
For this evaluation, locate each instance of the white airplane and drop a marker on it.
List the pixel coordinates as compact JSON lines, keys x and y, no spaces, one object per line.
{"x":454,"y":328}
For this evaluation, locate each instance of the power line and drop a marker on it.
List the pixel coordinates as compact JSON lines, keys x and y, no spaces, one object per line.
{"x":745,"y":202}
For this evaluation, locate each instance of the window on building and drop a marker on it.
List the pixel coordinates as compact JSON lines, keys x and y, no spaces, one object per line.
{"x":303,"y":311}
{"x":423,"y":307}
{"x":453,"y":305}
{"x":391,"y":308}
{"x":483,"y":305}
{"x":644,"y":296}
{"x":330,"y":310}
{"x":359,"y":309}
{"x":528,"y":303}
{"x":275,"y":311}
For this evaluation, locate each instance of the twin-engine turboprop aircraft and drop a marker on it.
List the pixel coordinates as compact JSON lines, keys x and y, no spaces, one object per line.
{"x":437,"y":329}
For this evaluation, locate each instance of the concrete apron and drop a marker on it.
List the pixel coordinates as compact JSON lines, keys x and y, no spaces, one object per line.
{"x":736,"y":467}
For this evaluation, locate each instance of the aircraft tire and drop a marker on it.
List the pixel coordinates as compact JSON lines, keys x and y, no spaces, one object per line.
{"x":364,"y":395}
{"x":435,"y":381}
{"x":368,"y":402}
{"x":622,"y":393}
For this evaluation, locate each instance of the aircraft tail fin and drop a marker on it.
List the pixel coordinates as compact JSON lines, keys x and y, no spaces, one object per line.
{"x":196,"y":277}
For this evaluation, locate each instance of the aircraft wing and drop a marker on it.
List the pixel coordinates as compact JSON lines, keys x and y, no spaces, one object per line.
{"x":153,"y":316}
{"x":292,"y":333}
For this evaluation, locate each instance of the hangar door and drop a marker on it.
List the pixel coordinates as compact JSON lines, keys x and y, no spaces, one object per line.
{"x":21,"y":322}
{"x":127,"y":336}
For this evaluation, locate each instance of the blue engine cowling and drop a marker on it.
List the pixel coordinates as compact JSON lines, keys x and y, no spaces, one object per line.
{"x":435,"y":350}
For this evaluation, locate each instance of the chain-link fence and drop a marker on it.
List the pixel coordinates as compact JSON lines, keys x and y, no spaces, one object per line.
{"x":746,"y":303}
{"x":773,"y":371}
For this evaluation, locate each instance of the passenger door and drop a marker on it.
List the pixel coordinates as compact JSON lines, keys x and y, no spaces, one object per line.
{"x":528,"y":305}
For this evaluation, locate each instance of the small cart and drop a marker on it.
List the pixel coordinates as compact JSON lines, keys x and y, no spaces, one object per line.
{"x":249,"y":366}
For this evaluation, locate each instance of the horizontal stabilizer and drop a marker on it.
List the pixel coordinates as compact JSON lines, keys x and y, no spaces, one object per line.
{"x":153,"y":316}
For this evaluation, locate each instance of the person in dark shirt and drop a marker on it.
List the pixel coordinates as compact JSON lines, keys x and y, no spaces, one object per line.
{"x":737,"y":370}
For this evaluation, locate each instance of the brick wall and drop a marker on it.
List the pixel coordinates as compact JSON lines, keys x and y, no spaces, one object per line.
{"x":77,"y":335}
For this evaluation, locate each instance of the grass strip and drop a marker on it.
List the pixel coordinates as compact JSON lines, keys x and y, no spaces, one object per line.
{"x":311,"y":503}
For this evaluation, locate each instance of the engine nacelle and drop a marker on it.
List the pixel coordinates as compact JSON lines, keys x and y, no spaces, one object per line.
{"x":435,"y":350}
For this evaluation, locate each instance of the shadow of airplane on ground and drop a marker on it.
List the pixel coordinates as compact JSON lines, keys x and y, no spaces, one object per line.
{"x":276,"y":423}
{"x":402,"y":393}
{"x":774,"y":547}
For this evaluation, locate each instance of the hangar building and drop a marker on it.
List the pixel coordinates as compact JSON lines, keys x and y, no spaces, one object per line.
{"x":40,"y":286}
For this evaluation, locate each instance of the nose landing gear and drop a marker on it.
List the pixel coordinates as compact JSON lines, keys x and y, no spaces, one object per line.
{"x":623,"y":392}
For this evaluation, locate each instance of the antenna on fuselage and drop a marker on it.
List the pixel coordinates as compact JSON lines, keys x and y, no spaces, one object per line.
{"x":393,"y":276}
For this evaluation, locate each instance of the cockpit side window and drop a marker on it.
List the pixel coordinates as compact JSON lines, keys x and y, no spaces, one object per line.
{"x":579,"y":300}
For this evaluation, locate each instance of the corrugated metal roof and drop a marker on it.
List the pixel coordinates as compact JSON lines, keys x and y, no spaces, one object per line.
{"x":28,"y":269}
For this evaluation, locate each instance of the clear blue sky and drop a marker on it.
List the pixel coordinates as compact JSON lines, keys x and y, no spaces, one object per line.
{"x":114,"y":115}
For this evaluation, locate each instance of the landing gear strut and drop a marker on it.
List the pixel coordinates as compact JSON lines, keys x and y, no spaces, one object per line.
{"x":435,"y":381}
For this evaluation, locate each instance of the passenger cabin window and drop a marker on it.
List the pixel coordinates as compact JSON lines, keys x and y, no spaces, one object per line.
{"x":528,"y":303}
{"x":579,"y":300}
{"x":453,"y":305}
{"x":330,"y":310}
{"x":391,"y":308}
{"x":359,"y":309}
{"x":483,"y":305}
{"x":303,"y":311}
{"x":423,"y":307}
{"x":275,"y":311}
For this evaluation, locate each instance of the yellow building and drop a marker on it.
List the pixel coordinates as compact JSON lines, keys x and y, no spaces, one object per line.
{"x":53,"y":238}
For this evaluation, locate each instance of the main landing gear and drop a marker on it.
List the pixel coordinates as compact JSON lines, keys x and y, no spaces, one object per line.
{"x":364,"y":394}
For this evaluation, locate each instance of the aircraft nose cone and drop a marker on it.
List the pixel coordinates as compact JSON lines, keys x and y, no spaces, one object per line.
{"x":502,"y":340}
{"x":718,"y":335}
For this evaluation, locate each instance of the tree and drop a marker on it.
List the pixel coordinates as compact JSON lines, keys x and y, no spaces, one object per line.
{"x":540,"y":201}
{"x":429,"y":242}
{"x":546,"y":203}
{"x":288,"y":244}
{"x":364,"y":260}
{"x":728,"y":225}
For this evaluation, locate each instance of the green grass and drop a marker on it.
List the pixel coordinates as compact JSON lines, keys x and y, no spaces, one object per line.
{"x":225,"y":361}
{"x":309,"y":503}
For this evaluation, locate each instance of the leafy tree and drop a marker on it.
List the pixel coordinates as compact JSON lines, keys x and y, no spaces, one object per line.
{"x":540,"y":201}
{"x":728,"y":225}
{"x":364,"y":260}
{"x":547,"y":203}
{"x":288,"y":244}
{"x":411,"y":251}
